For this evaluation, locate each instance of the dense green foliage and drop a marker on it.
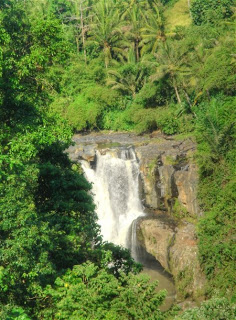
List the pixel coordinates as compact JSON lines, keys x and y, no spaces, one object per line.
{"x":156,"y":76}
{"x":69,"y":66}
{"x":95,"y":294}
{"x":215,"y":128}
{"x":215,"y":308}
{"x":211,"y":11}
{"x":47,"y":223}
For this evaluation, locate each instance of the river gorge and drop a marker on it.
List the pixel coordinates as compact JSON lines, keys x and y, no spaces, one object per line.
{"x":145,"y":191}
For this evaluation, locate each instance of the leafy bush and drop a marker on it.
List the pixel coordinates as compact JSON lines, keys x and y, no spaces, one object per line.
{"x":144,"y":119}
{"x":218,"y":72}
{"x":152,"y":95}
{"x":86,"y":110}
{"x":87,"y":292}
{"x":117,"y":119}
{"x":215,"y":126}
{"x":9,"y":312}
{"x":211,"y":11}
{"x":216,"y":308}
{"x":167,"y":121}
{"x":82,"y":114}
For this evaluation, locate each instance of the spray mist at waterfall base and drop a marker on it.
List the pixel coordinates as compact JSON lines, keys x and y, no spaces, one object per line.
{"x":115,"y":181}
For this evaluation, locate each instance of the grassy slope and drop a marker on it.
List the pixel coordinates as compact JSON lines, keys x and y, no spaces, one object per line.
{"x":178,"y":15}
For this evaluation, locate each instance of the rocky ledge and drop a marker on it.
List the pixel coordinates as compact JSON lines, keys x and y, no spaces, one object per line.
{"x":169,"y":177}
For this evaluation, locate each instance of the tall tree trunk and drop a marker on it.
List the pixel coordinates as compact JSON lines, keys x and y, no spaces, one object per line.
{"x":82,"y":30}
{"x":177,"y":94}
{"x":176,"y":91}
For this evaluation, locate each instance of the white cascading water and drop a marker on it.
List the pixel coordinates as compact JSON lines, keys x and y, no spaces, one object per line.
{"x":116,"y":193}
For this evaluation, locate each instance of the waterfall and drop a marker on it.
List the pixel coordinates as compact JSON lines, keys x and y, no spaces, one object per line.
{"x":115,"y":181}
{"x":135,"y":248}
{"x":115,"y":188}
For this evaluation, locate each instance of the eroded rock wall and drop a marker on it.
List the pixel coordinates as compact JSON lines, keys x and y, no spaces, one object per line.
{"x":175,"y":247}
{"x":168,"y":174}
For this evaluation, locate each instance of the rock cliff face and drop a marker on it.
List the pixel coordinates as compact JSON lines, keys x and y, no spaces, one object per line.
{"x":169,"y":188}
{"x":168,"y":175}
{"x":175,"y":247}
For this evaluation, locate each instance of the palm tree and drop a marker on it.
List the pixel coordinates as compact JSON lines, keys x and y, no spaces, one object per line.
{"x":129,"y":79}
{"x":106,"y":30}
{"x":172,"y":63}
{"x":153,"y":32}
{"x":134,"y":20}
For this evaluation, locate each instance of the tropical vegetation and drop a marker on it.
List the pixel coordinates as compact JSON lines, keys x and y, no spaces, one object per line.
{"x":82,"y":65}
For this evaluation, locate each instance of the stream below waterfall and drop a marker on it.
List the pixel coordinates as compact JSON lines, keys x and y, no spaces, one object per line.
{"x":116,"y":185}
